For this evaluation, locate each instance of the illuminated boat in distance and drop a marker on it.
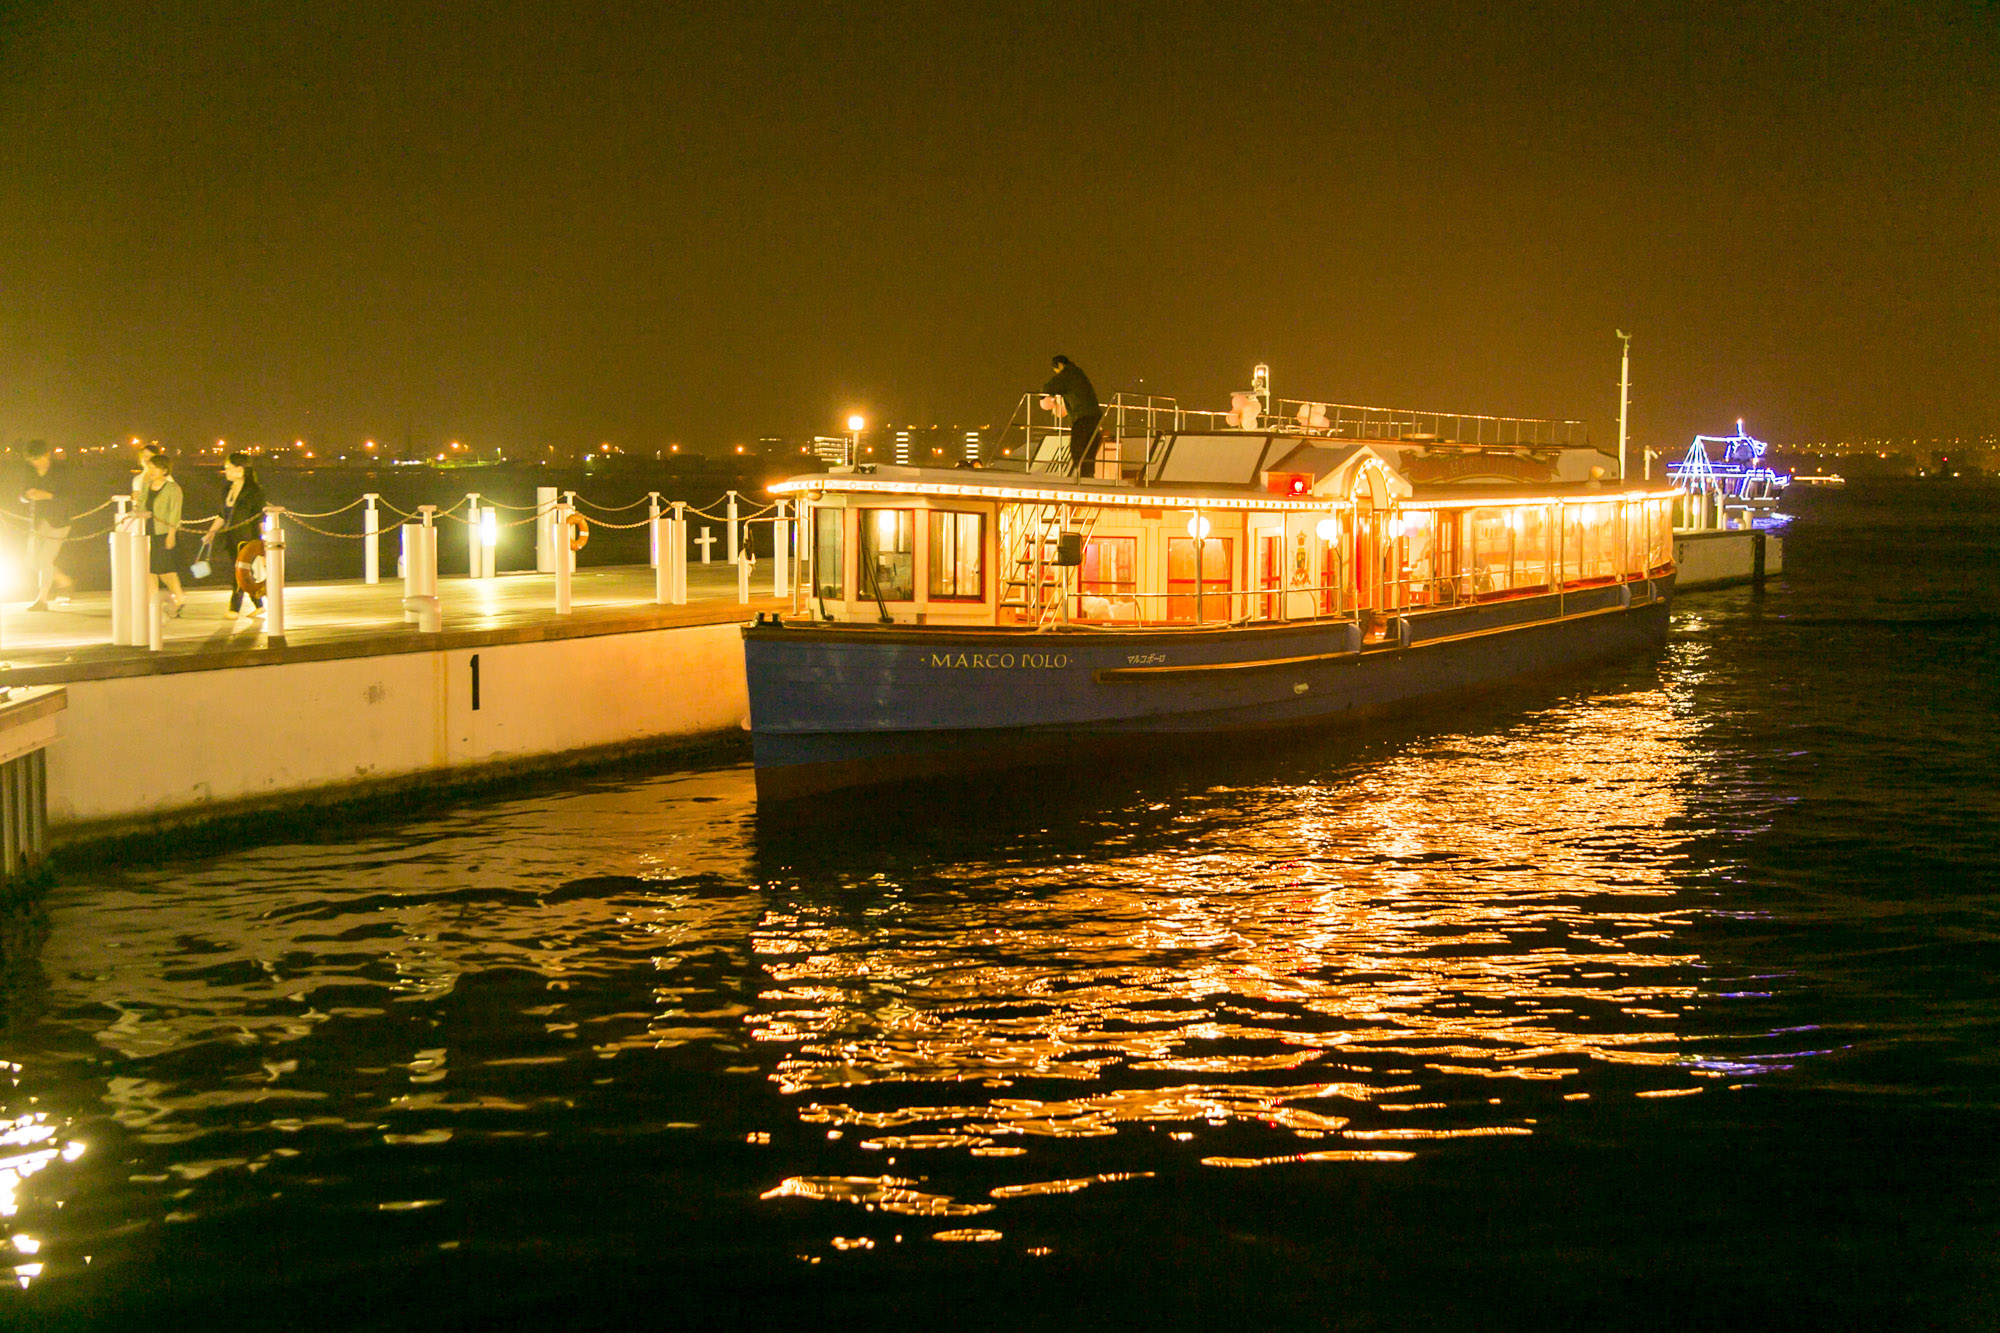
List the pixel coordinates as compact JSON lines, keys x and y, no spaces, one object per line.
{"x":1220,"y":573}
{"x":1735,"y":475}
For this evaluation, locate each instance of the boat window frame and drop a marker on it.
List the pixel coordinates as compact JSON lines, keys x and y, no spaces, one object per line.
{"x":825,"y":519}
{"x":868,"y":590}
{"x":955,"y":548}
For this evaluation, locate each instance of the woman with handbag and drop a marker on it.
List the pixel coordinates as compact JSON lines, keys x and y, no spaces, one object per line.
{"x":240,"y":528}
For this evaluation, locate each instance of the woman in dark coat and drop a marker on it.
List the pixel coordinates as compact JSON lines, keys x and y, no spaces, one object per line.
{"x":238,"y":525}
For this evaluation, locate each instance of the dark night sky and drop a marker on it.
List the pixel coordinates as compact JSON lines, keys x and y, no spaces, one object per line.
{"x":517,"y":224}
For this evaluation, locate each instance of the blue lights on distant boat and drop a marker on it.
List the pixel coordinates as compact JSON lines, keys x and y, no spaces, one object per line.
{"x":1736,"y":470}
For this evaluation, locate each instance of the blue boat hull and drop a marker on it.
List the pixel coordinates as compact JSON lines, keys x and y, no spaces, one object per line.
{"x":843,"y":705}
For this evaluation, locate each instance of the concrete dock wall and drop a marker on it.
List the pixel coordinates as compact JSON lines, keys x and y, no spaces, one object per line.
{"x":140,"y":750}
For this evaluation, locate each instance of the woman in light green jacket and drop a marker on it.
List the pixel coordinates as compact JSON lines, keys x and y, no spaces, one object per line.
{"x":160,"y":502}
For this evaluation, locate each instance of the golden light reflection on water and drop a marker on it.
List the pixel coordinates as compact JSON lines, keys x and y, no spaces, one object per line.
{"x":1436,"y":943}
{"x":1463,"y":917}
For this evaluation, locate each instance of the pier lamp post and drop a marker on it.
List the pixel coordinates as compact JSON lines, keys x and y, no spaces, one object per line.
{"x":855,"y":425}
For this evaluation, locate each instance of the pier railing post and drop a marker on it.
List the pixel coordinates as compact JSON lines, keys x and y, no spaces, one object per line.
{"x":660,"y":530}
{"x":413,"y":545}
{"x":156,"y":619}
{"x":427,"y":563}
{"x":677,"y":552}
{"x":564,"y":558}
{"x":371,"y":541}
{"x":121,"y":572}
{"x":274,"y":572}
{"x":545,"y":512}
{"x":139,"y":553}
{"x":473,"y":567}
{"x":653,"y":526}
{"x":732,"y":527}
{"x":781,"y":551}
{"x":743,"y":576}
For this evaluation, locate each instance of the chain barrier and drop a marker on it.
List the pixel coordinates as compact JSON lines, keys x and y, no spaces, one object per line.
{"x":611,"y":509}
{"x":331,"y":513}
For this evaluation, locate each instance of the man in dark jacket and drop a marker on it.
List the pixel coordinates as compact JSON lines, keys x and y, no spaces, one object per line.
{"x":51,"y":503}
{"x":1080,"y":404}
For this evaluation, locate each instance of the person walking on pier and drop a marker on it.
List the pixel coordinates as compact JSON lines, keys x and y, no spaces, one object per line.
{"x":238,"y":526}
{"x":1070,"y":384}
{"x":160,"y":502}
{"x":52,"y":505}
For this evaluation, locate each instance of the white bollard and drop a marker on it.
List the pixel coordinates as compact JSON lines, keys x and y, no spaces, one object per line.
{"x":138,"y":554}
{"x":426,"y":612}
{"x":545,"y":518}
{"x":274,"y":573}
{"x":489,"y":540}
{"x":156,"y":620}
{"x":743,"y":578}
{"x":660,"y":530}
{"x":565,"y":559}
{"x":473,"y":567}
{"x":705,"y":541}
{"x":781,"y":552}
{"x":371,"y":541}
{"x":427,"y":565}
{"x":677,"y":552}
{"x":121,"y":574}
{"x":653,"y":526}
{"x":732,"y":525}
{"x":413,"y":542}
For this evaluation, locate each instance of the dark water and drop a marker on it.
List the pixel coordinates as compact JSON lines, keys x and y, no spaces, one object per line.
{"x":1662,"y":997}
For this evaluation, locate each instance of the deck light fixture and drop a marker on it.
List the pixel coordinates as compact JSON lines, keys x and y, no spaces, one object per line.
{"x":1198,"y":527}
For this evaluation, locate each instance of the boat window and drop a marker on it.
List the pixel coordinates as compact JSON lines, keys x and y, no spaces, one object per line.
{"x":1531,"y":547}
{"x":1590,"y":544}
{"x":889,"y":554}
{"x":1419,"y":558}
{"x":1217,"y":559}
{"x":828,"y":565}
{"x":1110,"y":571}
{"x":958,"y":551}
{"x":1491,"y":543}
{"x":1662,"y":546}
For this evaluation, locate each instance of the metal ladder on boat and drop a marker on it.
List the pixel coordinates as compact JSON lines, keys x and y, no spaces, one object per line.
{"x":1031,"y":539}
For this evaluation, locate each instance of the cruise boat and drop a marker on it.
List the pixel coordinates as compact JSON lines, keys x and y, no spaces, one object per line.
{"x":1730,"y":469}
{"x":1279,"y":565}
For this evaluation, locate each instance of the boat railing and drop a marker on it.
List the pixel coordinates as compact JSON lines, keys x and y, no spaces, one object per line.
{"x":1036,"y":438}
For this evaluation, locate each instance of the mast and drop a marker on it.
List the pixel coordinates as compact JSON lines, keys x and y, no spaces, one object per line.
{"x":1624,"y":399}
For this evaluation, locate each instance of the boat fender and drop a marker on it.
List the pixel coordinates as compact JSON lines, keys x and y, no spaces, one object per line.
{"x":1350,"y":639}
{"x":1625,"y":597}
{"x":1402,"y":631}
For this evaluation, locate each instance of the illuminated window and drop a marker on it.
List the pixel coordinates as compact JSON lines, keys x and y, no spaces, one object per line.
{"x":889,"y":554}
{"x":1420,"y":557}
{"x":828,"y":565}
{"x":1217,"y":559}
{"x":1111,"y":571}
{"x":958,"y":548}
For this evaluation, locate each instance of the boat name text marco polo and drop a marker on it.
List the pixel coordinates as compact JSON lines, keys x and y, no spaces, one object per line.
{"x":1000,"y":661}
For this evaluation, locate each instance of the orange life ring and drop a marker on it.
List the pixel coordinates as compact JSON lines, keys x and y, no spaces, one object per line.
{"x":248,"y":556}
{"x":579,"y":531}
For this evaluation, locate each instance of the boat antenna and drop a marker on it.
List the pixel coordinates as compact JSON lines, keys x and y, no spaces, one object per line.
{"x":1624,"y":398}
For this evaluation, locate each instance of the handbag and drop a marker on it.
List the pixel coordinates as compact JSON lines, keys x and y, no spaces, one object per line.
{"x":200,"y":567}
